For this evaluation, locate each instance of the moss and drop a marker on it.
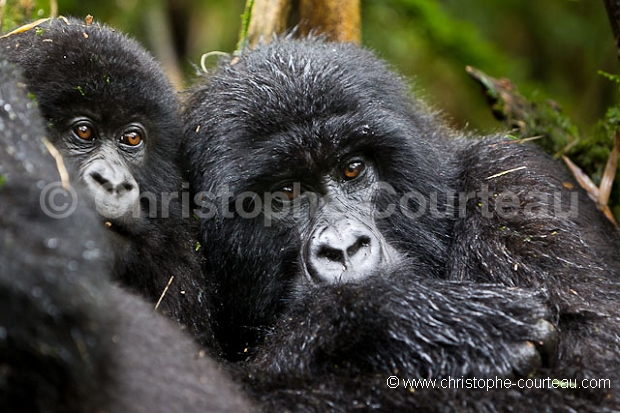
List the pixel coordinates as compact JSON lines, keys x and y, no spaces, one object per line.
{"x":33,"y":98}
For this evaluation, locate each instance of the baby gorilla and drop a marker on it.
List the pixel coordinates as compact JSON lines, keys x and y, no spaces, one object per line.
{"x":112,"y":113}
{"x":71,"y":341}
{"x":352,"y":237}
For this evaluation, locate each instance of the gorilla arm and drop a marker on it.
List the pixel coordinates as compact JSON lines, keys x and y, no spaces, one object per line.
{"x":426,"y":328}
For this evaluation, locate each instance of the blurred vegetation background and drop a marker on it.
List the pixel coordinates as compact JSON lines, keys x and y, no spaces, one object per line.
{"x":549,"y":49}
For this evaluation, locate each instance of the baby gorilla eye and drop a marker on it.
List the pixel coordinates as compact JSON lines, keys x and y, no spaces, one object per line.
{"x":131,"y":138}
{"x":83,"y":131}
{"x":353,"y":169}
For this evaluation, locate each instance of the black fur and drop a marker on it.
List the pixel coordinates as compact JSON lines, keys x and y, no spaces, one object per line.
{"x":95,"y":76}
{"x":482,"y":251}
{"x":70,"y":341}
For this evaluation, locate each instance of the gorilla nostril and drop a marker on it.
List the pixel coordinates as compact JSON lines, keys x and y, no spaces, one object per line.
{"x":361,"y":243}
{"x":331,"y":254}
{"x":114,"y":189}
{"x":342,"y":251}
{"x":100,"y":179}
{"x":127,"y":186}
{"x":111,"y":187}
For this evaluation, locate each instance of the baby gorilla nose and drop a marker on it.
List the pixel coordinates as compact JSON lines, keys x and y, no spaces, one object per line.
{"x":113,"y":187}
{"x":344,"y":251}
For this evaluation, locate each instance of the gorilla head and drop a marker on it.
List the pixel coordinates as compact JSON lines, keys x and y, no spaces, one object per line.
{"x":110,"y":108}
{"x":300,"y":162}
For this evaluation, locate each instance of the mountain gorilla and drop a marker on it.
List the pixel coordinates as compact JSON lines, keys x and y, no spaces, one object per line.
{"x":70,"y":341}
{"x":352,"y":237}
{"x":112,"y":112}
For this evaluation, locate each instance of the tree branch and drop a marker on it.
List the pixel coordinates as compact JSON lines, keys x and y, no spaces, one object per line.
{"x":613,"y":12}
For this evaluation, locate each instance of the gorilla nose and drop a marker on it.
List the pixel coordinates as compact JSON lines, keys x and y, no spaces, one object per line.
{"x":115,"y":190}
{"x":343,"y":252}
{"x":114,"y":185}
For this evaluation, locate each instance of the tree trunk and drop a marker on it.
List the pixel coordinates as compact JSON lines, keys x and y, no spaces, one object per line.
{"x":338,"y":20}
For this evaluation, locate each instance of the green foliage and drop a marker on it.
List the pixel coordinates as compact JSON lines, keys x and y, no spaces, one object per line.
{"x":611,"y":123}
{"x":561,"y":137}
{"x":549,"y":48}
{"x":612,"y":77}
{"x":559,"y":133}
{"x":459,"y":40}
{"x":33,"y":98}
{"x":245,"y":24}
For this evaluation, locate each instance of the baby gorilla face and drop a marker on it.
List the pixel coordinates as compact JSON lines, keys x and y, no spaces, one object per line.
{"x":111,"y":112}
{"x":104,"y":165}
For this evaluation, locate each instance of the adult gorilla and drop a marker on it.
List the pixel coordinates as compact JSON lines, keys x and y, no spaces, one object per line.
{"x":352,"y":236}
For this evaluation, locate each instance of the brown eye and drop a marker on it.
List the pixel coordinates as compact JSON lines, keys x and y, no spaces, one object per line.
{"x":353,"y":170}
{"x":132,"y":138}
{"x":84,"y":132}
{"x":291,"y":191}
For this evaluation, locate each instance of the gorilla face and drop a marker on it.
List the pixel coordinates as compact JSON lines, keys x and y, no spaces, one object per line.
{"x":105,"y":163}
{"x":110,"y":108}
{"x":321,"y":156}
{"x":343,"y":243}
{"x":330,"y":206}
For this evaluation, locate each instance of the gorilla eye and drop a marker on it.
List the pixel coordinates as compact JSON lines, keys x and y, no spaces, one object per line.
{"x":353,"y":169}
{"x":291,"y":191}
{"x":132,"y":138}
{"x":286,"y":192}
{"x":83,"y":131}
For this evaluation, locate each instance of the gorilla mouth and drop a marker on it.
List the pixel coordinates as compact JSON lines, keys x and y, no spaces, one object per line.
{"x":119,"y":227}
{"x":130,"y":224}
